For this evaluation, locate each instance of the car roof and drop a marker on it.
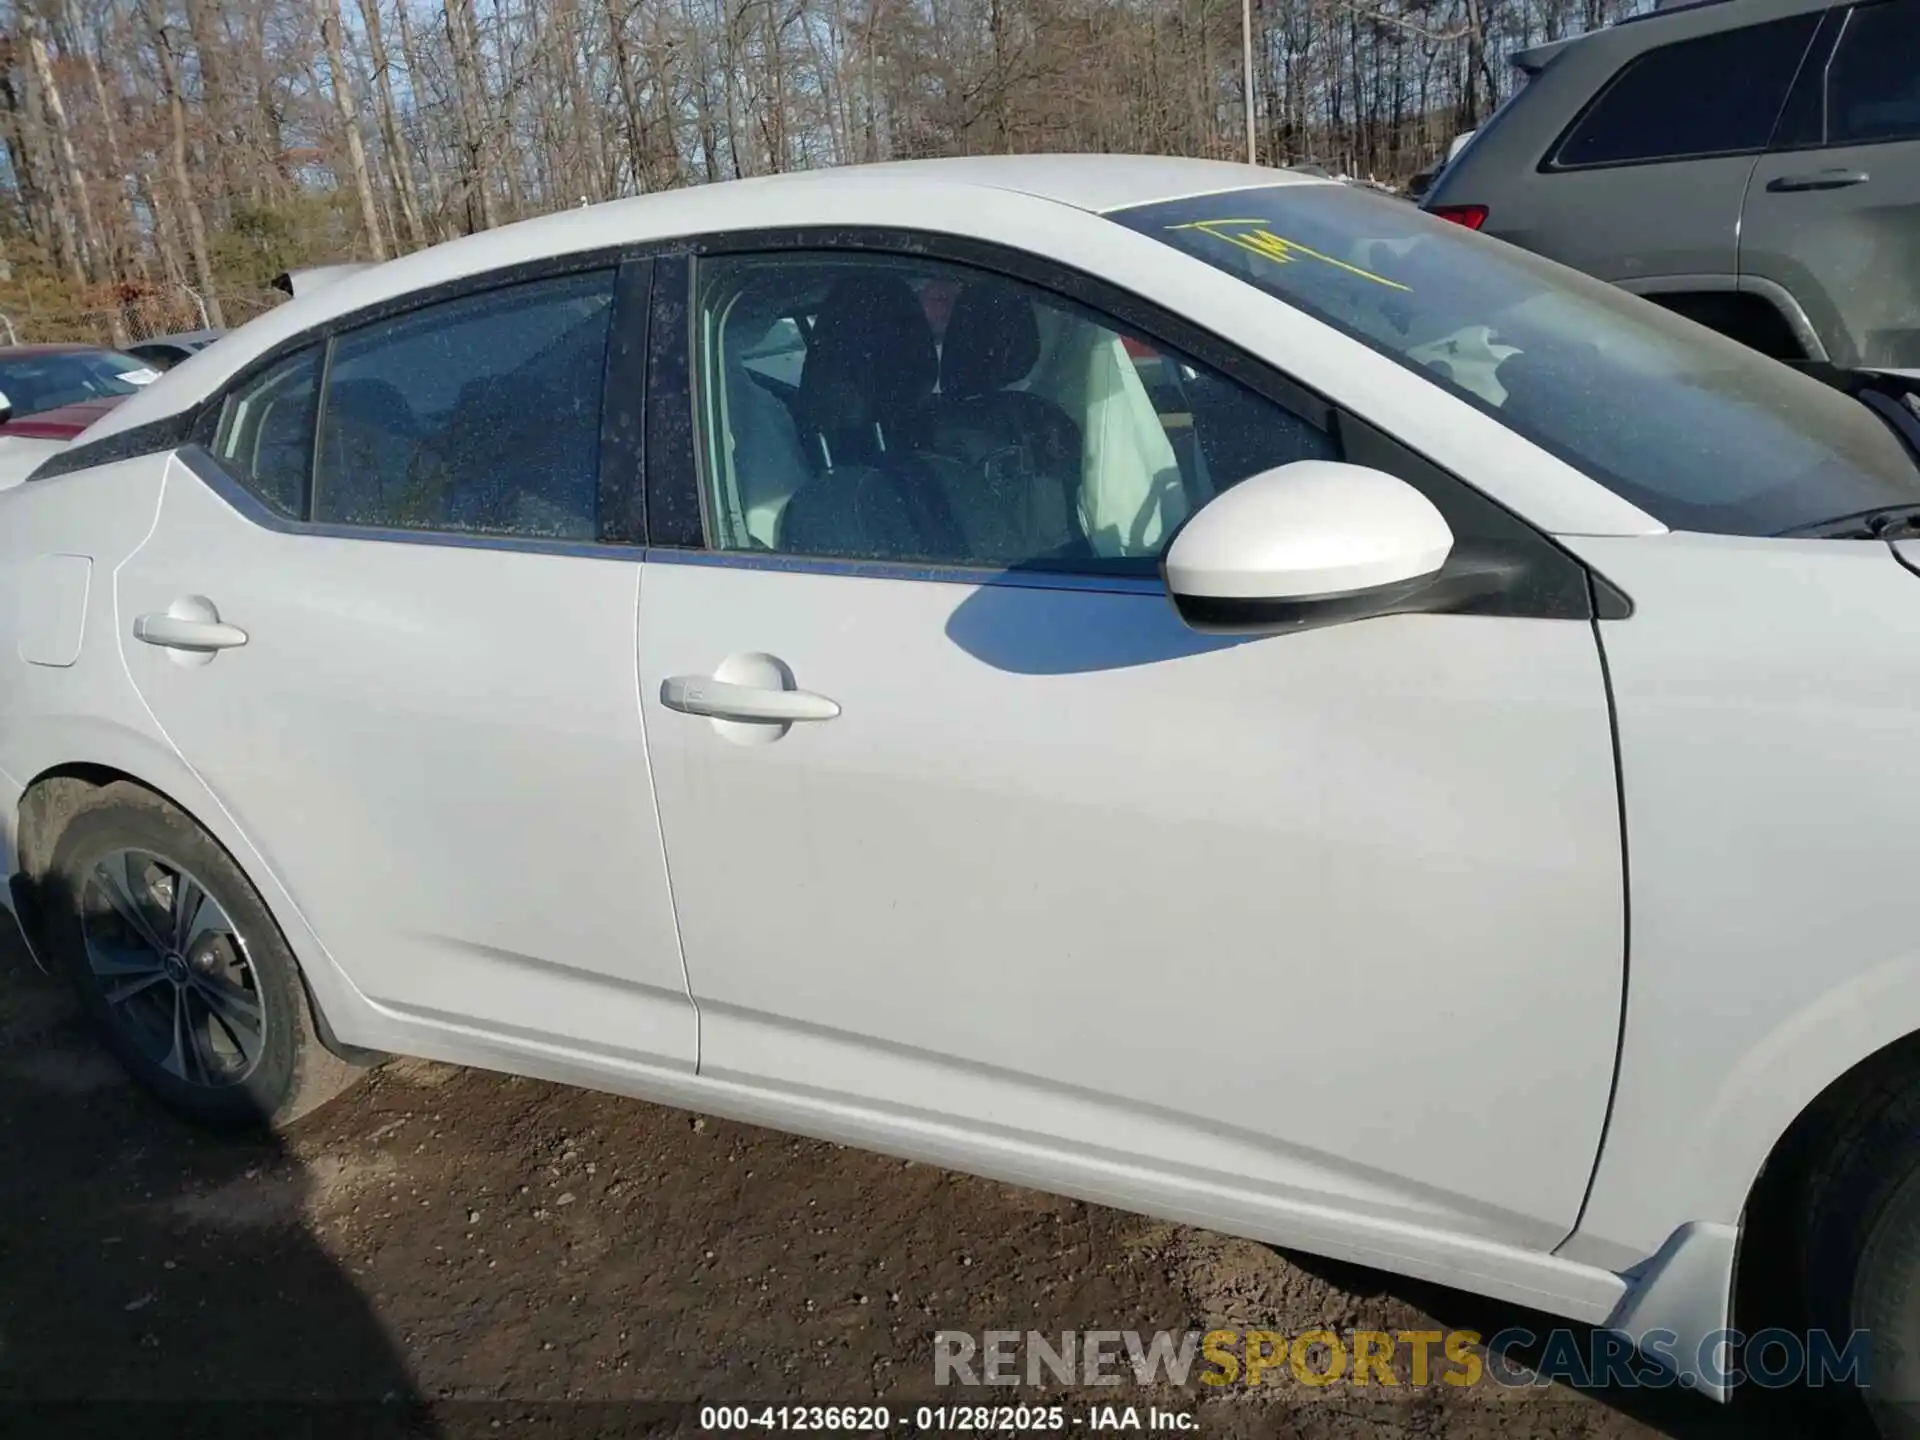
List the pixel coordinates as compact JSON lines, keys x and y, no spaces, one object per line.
{"x":1095,"y":183}
{"x":953,"y":195}
{"x":181,"y":337}
{"x":1648,"y":28}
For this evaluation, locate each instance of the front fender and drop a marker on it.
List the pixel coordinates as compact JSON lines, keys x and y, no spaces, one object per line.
{"x":1767,"y":698}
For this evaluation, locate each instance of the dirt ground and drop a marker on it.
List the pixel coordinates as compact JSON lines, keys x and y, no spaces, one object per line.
{"x":451,"y":1252}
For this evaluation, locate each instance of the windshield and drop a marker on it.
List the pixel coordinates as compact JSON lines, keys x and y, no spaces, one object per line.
{"x":1698,"y":431}
{"x":33,"y":383}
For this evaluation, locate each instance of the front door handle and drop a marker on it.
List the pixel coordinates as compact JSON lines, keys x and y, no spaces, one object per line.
{"x":1818,"y":180}
{"x":726,"y":700}
{"x":175,"y":632}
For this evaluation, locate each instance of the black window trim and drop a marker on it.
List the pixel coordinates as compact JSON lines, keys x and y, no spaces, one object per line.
{"x":310,"y":493}
{"x":674,"y":478}
{"x":675,"y":516}
{"x":1551,"y":164}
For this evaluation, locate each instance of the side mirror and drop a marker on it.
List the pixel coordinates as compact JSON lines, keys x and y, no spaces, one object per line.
{"x":1310,"y":543}
{"x":6,"y":408}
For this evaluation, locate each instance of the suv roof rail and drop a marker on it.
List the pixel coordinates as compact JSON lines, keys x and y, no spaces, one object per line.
{"x":1667,"y":7}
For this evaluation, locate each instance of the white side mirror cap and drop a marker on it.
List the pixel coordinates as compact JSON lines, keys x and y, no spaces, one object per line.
{"x":6,"y":408}
{"x":1313,"y":532}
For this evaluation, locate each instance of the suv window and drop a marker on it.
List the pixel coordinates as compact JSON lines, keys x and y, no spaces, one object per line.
{"x":1698,"y":430}
{"x":1873,"y":85}
{"x":1717,"y":95}
{"x":882,"y":407}
{"x":266,"y":432}
{"x":480,"y":414}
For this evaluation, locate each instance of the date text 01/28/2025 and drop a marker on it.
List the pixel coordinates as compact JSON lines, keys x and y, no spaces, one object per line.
{"x":942,"y":1419}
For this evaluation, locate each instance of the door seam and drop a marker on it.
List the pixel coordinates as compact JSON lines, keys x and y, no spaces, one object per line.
{"x":1626,"y":935}
{"x":653,"y":798}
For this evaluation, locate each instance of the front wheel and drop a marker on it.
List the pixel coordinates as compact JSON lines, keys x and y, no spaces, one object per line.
{"x":181,"y":967}
{"x":1860,"y":1249}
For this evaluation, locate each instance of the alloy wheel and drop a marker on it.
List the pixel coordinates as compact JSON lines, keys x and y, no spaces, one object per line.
{"x":173,"y":969}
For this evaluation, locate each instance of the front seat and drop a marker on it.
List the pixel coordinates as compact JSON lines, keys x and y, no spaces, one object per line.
{"x":870,"y":367}
{"x":1008,"y":460}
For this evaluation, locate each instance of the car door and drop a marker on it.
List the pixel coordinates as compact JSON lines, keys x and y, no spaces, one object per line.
{"x":1833,"y":214}
{"x":967,"y":829}
{"x":380,"y":615}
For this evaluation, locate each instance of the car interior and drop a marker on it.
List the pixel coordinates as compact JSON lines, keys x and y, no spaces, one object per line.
{"x":896,"y":410}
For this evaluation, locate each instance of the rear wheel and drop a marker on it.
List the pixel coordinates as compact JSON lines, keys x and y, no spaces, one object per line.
{"x":179,"y":964}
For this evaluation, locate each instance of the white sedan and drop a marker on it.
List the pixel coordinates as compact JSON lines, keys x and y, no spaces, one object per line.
{"x":1195,"y":687}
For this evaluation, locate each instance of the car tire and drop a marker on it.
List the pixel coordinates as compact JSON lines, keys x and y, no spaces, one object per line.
{"x":178,"y":962}
{"x":1860,"y":1245}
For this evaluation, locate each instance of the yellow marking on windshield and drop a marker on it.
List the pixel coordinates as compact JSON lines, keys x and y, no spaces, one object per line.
{"x":1268,"y":246}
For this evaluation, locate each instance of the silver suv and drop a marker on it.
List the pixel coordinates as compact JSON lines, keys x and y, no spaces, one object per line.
{"x":1754,"y":164}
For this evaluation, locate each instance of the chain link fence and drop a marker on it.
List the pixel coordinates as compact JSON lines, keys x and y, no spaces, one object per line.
{"x":140,"y":317}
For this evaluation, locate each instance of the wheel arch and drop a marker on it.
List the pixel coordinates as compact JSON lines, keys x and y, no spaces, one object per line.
{"x":1756,"y":311}
{"x":1767,"y":1293}
{"x":59,"y":791}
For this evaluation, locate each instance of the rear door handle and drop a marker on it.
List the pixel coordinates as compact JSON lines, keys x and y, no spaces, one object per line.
{"x":724,"y":700}
{"x":1818,"y":180}
{"x":176,"y":633}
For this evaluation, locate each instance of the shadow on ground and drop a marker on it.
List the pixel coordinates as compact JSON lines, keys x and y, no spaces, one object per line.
{"x":154,"y":1280}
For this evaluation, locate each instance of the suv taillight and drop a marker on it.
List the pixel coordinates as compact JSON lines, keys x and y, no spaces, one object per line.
{"x":1471,"y":216}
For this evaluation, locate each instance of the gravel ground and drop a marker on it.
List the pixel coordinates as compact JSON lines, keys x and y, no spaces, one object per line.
{"x":452,"y":1251}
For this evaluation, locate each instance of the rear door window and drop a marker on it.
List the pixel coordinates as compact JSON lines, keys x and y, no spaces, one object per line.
{"x":480,"y":414}
{"x":1717,"y":95}
{"x":1873,"y":85}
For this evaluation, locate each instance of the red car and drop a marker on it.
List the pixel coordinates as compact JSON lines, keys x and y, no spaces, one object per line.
{"x":50,"y":393}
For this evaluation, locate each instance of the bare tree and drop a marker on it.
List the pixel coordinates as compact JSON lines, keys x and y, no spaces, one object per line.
{"x":398,"y":155}
{"x":341,"y":83}
{"x":184,"y":197}
{"x":192,"y":140}
{"x":86,"y":253}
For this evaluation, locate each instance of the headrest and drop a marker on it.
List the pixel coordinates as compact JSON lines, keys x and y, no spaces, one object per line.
{"x":870,"y":357}
{"x":370,"y":402}
{"x":992,"y":340}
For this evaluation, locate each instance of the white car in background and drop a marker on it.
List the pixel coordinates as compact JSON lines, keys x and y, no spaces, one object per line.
{"x":1192,"y":686}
